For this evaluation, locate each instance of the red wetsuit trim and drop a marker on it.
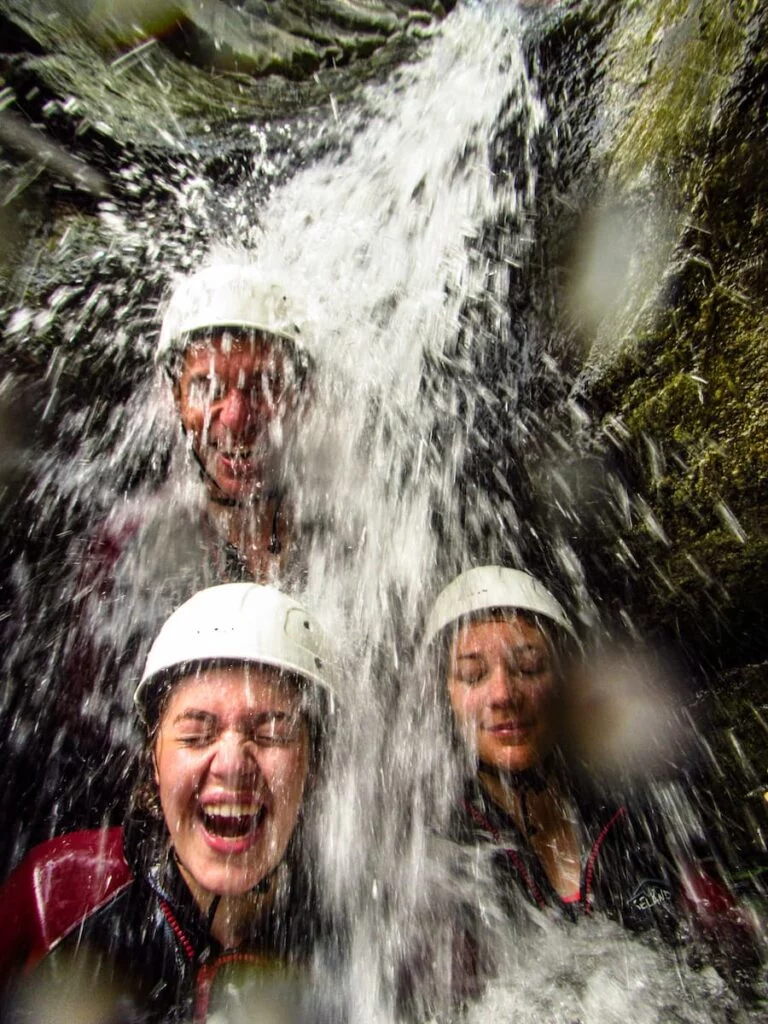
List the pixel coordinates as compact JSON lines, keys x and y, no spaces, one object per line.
{"x":512,"y":855}
{"x":57,"y":886}
{"x":177,"y":930}
{"x":207,"y":975}
{"x":594,"y":853}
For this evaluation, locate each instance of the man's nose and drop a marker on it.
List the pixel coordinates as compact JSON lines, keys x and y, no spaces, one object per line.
{"x":235,"y":412}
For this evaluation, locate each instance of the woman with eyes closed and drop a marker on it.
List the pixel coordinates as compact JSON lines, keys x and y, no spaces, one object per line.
{"x":504,"y":653}
{"x":499,"y":638}
{"x":210,"y":871}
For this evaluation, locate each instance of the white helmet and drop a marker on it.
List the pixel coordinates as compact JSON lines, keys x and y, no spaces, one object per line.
{"x":493,"y":586}
{"x":237,"y":622}
{"x":231,"y":295}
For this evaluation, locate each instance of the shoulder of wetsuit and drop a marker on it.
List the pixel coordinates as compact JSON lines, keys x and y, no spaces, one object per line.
{"x":103,"y":550}
{"x":628,"y":872}
{"x":57,"y":886}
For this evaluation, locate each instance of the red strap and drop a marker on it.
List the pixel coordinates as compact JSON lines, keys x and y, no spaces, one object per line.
{"x":178,"y":931}
{"x":512,"y":855}
{"x":593,"y":855}
{"x":207,"y":975}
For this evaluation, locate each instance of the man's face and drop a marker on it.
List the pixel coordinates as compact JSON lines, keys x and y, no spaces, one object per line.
{"x":235,"y":392}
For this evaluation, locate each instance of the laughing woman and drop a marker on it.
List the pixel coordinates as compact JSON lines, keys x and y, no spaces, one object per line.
{"x":210,"y":871}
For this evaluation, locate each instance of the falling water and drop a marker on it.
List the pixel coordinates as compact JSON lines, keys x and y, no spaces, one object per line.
{"x":403,"y":232}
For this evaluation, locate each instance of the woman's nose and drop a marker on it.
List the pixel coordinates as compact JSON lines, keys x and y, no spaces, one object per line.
{"x":235,"y":412}
{"x":505,"y":684}
{"x":233,"y":758}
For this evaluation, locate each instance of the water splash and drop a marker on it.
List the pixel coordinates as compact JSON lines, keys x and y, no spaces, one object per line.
{"x":389,"y":237}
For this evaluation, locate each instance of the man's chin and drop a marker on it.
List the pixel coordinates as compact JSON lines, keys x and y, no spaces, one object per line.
{"x":245,"y":486}
{"x":241,"y":491}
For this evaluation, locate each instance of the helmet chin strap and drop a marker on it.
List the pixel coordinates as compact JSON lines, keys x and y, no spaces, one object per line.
{"x":218,"y":497}
{"x":262,"y":886}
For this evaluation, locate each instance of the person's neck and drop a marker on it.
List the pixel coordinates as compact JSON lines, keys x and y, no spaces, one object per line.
{"x":259,"y":530}
{"x":233,"y":916}
{"x":505,"y":788}
{"x":544,"y":819}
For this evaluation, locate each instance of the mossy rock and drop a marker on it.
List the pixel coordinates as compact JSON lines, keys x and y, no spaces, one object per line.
{"x":691,"y":377}
{"x":159,"y":74}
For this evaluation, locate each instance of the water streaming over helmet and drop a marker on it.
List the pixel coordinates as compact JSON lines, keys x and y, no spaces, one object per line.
{"x":402,"y":231}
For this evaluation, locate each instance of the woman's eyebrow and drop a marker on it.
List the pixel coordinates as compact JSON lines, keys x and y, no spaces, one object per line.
{"x":526,"y":649}
{"x":253,"y":718}
{"x":258,"y":717}
{"x":194,"y":715}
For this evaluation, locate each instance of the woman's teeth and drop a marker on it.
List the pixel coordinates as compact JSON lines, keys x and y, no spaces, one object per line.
{"x":232,"y":820}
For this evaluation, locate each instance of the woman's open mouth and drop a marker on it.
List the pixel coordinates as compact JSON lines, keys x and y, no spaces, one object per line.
{"x":232,"y":821}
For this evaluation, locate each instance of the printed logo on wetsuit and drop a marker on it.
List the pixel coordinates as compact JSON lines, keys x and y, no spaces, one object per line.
{"x":650,"y":893}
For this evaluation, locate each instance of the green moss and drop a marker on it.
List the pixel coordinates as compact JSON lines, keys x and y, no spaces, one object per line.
{"x":674,"y":62}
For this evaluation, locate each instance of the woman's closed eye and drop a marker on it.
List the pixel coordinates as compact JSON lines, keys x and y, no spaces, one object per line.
{"x":470,"y":671}
{"x":267,"y":386}
{"x":529,"y":663}
{"x":278,"y":731}
{"x":200,"y":738}
{"x":204,"y":390}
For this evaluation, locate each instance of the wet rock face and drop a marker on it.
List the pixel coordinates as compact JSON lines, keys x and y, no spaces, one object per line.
{"x":671,"y":237}
{"x":684,"y":362}
{"x":179,"y":65}
{"x":650,"y":190}
{"x":289,"y":38}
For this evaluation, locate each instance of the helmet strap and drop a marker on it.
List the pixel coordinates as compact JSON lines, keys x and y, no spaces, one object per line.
{"x":212,"y":911}
{"x":261,"y":888}
{"x":218,"y":497}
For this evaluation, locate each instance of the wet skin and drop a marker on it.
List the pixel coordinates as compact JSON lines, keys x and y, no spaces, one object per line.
{"x":501,"y":686}
{"x":231,"y":763}
{"x":235,"y":393}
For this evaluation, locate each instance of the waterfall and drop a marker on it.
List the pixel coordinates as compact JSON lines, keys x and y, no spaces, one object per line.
{"x":404,"y":230}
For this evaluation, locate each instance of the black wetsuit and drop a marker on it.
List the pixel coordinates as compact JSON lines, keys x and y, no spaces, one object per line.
{"x":108,"y":911}
{"x":628,"y":872}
